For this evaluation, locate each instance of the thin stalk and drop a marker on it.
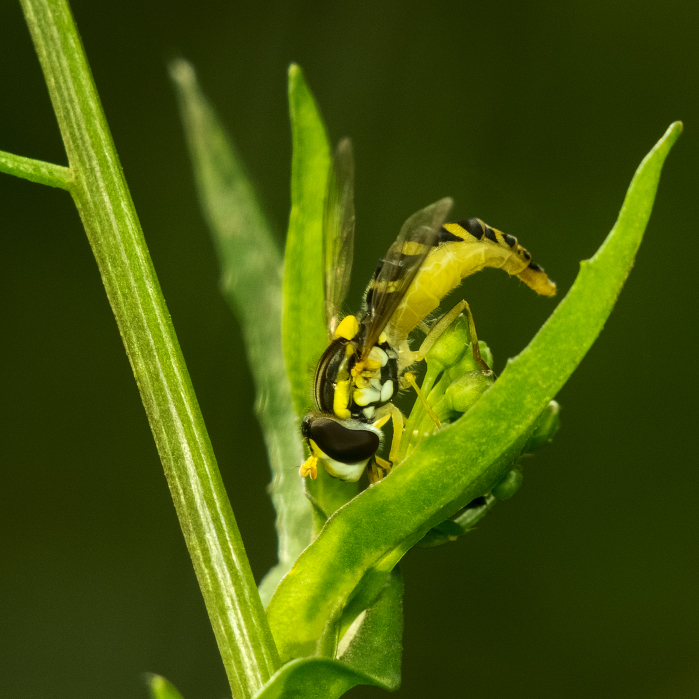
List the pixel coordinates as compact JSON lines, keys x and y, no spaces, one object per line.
{"x":36,"y":170}
{"x":107,"y":211}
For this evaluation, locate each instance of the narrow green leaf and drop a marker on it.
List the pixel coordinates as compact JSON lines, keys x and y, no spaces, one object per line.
{"x":312,"y":678}
{"x":375,"y":648}
{"x":113,"y":229}
{"x":304,"y":329}
{"x":464,"y":460}
{"x":36,"y":170}
{"x":160,"y":688}
{"x":369,"y":654}
{"x":251,"y":281}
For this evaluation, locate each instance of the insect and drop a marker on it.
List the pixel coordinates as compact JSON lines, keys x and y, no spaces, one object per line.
{"x":368,"y":354}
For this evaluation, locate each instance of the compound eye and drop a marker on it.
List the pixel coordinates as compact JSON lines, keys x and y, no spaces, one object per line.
{"x":342,"y":444}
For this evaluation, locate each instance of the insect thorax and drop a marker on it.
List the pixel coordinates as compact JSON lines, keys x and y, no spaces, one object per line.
{"x":349,"y":388}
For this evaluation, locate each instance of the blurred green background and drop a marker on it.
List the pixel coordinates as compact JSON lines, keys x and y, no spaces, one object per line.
{"x":534,"y":117}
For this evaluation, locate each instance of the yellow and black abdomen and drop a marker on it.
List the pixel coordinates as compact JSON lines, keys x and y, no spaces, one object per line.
{"x":462,"y":249}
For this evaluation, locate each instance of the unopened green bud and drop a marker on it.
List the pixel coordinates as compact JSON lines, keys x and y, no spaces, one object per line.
{"x":450,"y":346}
{"x":465,"y":391}
{"x":468,"y":363}
{"x":486,"y":354}
{"x":441,"y":534}
{"x":546,"y":427}
{"x":506,"y":487}
{"x":458,"y":525}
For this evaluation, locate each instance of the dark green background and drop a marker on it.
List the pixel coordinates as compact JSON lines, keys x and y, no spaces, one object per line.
{"x":534,"y":117}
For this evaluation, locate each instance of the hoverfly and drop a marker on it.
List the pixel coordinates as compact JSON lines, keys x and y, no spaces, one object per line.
{"x":368,"y":353}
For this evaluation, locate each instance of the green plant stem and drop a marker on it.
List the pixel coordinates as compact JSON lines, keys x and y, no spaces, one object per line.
{"x":251,"y":282}
{"x":36,"y":170}
{"x":107,"y":211}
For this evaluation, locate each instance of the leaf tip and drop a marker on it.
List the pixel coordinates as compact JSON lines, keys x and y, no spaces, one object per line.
{"x":295,"y":73}
{"x":666,"y":142}
{"x":182,"y":72}
{"x":673,"y":132}
{"x":298,"y":87}
{"x":159,"y":687}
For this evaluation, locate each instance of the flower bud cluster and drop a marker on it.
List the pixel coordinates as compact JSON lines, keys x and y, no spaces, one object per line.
{"x":455,"y":380}
{"x":463,"y":379}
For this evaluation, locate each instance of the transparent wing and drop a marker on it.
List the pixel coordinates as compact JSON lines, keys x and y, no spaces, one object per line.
{"x":338,"y":232}
{"x":402,"y":262}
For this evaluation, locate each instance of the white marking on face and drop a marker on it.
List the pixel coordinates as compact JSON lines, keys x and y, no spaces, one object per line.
{"x":378,"y":355}
{"x":364,"y":396}
{"x":362,"y":382}
{"x":345,"y":472}
{"x":387,"y":391}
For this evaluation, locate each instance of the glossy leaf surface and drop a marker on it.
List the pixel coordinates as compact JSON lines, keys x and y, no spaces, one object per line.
{"x":304,"y":330}
{"x":463,"y":461}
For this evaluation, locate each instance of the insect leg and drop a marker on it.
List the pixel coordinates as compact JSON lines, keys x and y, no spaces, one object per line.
{"x":438,"y":328}
{"x":474,"y":338}
{"x":410,"y":378}
{"x":442,"y":324}
{"x":397,"y":418}
{"x":379,"y":468}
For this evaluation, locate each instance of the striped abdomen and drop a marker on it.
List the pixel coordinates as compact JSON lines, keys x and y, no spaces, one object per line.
{"x":462,"y":249}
